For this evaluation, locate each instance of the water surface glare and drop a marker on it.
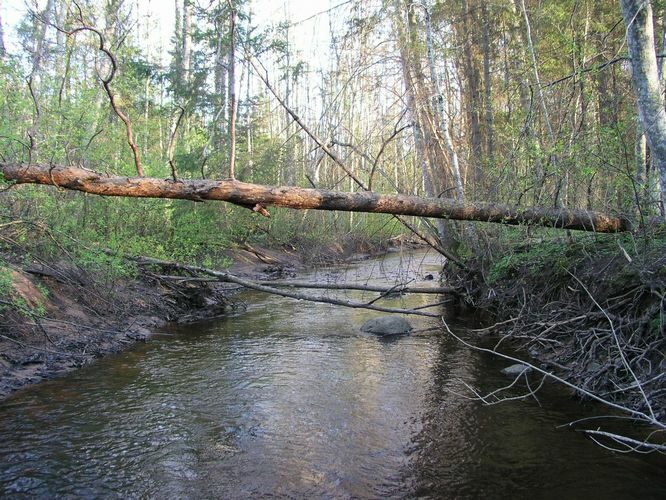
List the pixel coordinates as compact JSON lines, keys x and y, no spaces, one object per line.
{"x":290,"y":399}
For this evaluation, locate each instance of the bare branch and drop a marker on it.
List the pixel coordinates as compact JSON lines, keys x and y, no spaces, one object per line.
{"x":106,"y":83}
{"x":306,"y":129}
{"x":635,"y":413}
{"x":35,"y":120}
{"x":632,"y":445}
{"x":426,"y":238}
{"x":227,"y":277}
{"x":619,"y":347}
{"x":172,"y":143}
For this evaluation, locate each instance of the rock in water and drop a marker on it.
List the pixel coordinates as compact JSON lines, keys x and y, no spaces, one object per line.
{"x":387,"y":325}
{"x":515,"y":370}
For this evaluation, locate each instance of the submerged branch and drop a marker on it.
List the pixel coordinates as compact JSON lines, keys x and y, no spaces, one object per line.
{"x":227,"y":277}
{"x":398,"y":289}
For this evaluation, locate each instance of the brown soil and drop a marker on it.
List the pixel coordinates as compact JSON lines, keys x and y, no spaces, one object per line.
{"x":65,"y":322}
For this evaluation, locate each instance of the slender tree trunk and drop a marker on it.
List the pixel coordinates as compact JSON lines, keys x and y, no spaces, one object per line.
{"x":186,"y":57}
{"x":645,"y":79}
{"x":220,"y":81}
{"x":445,"y":131}
{"x":542,"y":103}
{"x":178,"y":32}
{"x":472,"y":92}
{"x":39,"y":47}
{"x":640,"y":158}
{"x":443,"y":232}
{"x":289,"y":167}
{"x":3,"y":50}
{"x":232,"y":92}
{"x":487,"y":85}
{"x":443,"y":117}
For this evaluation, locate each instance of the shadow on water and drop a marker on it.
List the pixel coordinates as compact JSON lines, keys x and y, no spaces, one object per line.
{"x":517,"y":449}
{"x":291,"y":399}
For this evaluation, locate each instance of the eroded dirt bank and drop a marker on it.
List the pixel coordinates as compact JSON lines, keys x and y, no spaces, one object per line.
{"x":56,"y":316}
{"x":591,"y":310}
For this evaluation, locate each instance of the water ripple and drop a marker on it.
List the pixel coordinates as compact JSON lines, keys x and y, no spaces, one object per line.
{"x":291,"y":400}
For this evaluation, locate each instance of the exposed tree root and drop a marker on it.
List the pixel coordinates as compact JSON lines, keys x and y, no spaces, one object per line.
{"x":591,"y":317}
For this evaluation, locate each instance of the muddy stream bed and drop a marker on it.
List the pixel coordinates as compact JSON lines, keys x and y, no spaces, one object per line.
{"x":290,"y":399}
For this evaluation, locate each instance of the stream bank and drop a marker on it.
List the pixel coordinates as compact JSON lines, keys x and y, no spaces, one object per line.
{"x":56,"y":315}
{"x":290,"y":399}
{"x":588,"y":308}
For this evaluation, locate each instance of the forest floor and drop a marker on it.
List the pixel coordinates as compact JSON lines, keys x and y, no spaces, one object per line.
{"x":56,"y":316}
{"x":588,"y":308}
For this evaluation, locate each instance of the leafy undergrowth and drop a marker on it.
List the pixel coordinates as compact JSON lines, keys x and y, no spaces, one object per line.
{"x":589,"y":308}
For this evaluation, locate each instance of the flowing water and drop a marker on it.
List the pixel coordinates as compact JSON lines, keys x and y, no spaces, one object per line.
{"x":290,"y":399}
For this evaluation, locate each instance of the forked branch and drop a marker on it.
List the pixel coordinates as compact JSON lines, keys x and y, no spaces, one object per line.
{"x":106,"y":83}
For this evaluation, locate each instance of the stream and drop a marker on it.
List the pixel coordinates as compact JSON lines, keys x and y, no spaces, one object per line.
{"x":290,"y":399}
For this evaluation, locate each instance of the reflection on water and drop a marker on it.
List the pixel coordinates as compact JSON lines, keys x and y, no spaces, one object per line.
{"x":290,"y":399}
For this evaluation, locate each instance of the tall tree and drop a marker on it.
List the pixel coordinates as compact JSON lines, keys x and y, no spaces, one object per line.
{"x":550,"y":144}
{"x":3,"y":50}
{"x":232,"y":90}
{"x":186,"y":55}
{"x":487,"y":84}
{"x":638,"y":19}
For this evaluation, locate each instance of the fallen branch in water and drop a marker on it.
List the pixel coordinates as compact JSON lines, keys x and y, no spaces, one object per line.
{"x":227,"y":277}
{"x":397,"y":289}
{"x":639,"y":415}
{"x":630,"y":444}
{"x":634,"y":414}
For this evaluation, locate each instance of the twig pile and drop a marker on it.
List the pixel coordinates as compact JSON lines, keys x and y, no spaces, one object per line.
{"x":595,"y":319}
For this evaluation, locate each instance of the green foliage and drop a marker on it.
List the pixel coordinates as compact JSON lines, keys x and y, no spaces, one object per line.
{"x":43,"y":290}
{"x":6,"y":282}
{"x":551,"y":257}
{"x":76,"y":125}
{"x":112,"y":266}
{"x":656,"y":324}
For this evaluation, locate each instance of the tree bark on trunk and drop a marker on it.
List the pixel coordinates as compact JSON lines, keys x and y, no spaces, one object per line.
{"x":444,"y":233}
{"x":443,"y":118}
{"x":255,"y":197}
{"x":186,"y":57}
{"x":3,"y":51}
{"x":645,"y":79}
{"x":472,"y":91}
{"x":232,"y":92}
{"x":487,"y":85}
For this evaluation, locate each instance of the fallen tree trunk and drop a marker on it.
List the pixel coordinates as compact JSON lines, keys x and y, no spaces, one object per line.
{"x":257,"y":197}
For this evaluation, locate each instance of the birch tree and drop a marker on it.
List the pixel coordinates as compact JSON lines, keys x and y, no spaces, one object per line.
{"x":3,"y":50}
{"x":645,"y":78}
